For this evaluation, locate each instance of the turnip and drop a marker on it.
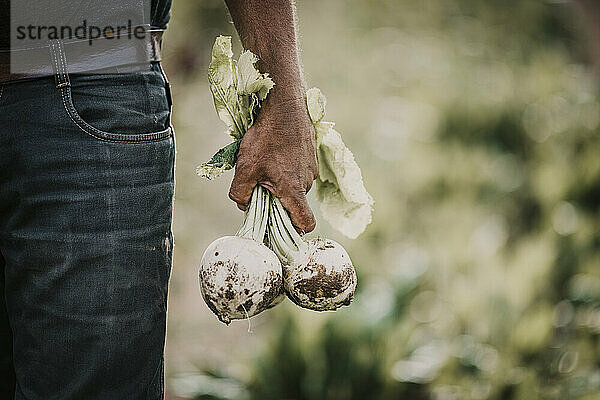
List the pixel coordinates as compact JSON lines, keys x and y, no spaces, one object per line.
{"x":318,"y":274}
{"x":326,"y":282}
{"x":239,"y":276}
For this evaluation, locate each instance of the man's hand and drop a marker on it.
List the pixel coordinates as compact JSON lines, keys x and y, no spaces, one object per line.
{"x":278,"y":151}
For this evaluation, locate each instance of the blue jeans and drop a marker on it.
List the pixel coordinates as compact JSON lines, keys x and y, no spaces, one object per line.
{"x":86,"y":192}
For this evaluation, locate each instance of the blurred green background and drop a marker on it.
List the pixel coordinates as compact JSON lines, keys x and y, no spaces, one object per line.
{"x":476,"y":124}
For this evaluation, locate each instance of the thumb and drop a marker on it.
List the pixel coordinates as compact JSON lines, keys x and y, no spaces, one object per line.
{"x":300,"y":213}
{"x":241,"y":189}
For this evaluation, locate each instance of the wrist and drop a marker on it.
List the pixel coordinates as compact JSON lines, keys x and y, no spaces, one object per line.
{"x":286,"y":118}
{"x":286,"y":92}
{"x":288,"y":79}
{"x":285,"y":101}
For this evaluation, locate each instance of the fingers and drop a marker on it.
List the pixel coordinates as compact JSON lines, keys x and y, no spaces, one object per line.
{"x":300,"y":213}
{"x":309,"y":183}
{"x":309,"y":186}
{"x":312,"y":175}
{"x":241,"y":189}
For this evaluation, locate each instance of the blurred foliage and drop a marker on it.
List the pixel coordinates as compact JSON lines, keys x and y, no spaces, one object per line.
{"x":477,"y":126}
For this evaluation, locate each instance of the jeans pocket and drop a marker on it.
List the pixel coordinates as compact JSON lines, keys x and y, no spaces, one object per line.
{"x":129,"y":107}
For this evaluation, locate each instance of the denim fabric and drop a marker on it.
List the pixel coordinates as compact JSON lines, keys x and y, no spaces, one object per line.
{"x":86,"y":190}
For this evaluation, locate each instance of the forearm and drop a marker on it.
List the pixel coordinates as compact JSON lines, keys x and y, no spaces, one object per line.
{"x":267,"y":28}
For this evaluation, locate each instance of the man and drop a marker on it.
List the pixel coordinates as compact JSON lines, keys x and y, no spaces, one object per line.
{"x":86,"y":189}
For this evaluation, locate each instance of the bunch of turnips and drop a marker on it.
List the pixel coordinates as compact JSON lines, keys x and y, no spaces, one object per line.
{"x":243,"y":275}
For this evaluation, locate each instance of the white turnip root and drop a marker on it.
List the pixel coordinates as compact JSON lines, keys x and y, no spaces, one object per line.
{"x":318,"y":275}
{"x":240,"y":276}
{"x":326,"y":281}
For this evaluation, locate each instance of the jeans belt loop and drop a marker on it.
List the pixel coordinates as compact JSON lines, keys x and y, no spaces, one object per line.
{"x":59,"y":63}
